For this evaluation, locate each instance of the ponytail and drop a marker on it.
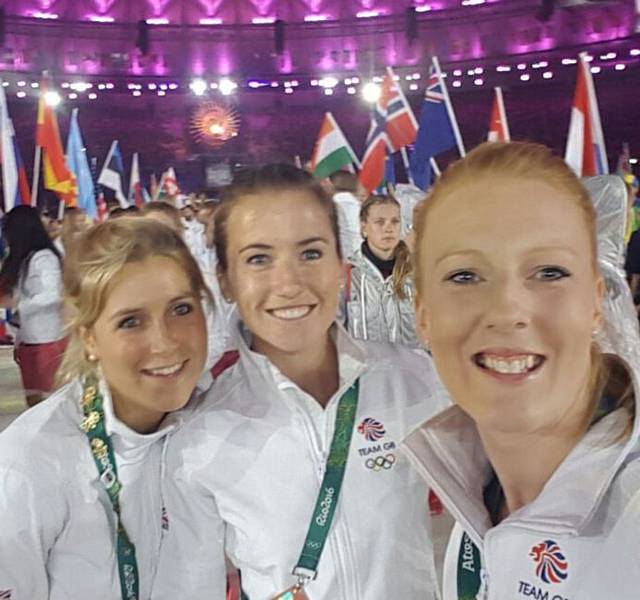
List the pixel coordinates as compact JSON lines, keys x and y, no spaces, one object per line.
{"x":401,"y":269}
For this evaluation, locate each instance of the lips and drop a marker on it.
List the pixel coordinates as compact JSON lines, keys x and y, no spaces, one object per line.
{"x":509,"y":363}
{"x":291,"y":313}
{"x":165,"y":371}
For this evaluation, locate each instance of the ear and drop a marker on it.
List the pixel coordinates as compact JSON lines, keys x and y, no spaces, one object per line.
{"x":600,"y":289}
{"x":225,"y":287}
{"x":422,"y":319}
{"x":89,"y":342}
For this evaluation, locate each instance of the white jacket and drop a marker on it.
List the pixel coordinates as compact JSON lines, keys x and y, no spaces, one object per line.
{"x":39,"y":300}
{"x":348,"y":207}
{"x":57,"y":526}
{"x":244,"y":474}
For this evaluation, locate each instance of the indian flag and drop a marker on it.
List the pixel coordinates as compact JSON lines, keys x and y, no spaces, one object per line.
{"x":332,"y":151}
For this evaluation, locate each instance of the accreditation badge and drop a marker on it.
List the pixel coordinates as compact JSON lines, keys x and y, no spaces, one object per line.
{"x":293,"y":593}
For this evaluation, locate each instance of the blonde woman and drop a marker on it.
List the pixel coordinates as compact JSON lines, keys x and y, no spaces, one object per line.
{"x":533,"y":333}
{"x":81,"y":509}
{"x":379,"y":289}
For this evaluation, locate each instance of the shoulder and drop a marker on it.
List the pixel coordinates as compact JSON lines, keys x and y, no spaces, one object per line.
{"x":45,"y":437}
{"x":44,"y":259}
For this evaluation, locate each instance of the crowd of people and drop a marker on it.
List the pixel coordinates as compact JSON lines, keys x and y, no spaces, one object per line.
{"x":272,"y":383}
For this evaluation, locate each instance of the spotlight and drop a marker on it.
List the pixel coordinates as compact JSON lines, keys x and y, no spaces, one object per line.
{"x":52,"y":98}
{"x":226,"y":86}
{"x":198,"y":86}
{"x":371,"y":92}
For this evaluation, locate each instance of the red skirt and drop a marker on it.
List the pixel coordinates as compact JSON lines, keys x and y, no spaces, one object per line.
{"x":38,"y":364}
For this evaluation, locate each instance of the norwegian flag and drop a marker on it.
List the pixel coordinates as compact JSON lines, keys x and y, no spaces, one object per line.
{"x":438,"y":130}
{"x":498,"y":126}
{"x":393,"y":126}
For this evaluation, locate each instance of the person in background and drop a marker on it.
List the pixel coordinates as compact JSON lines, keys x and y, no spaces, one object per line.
{"x":165,"y":213}
{"x":81,"y":508}
{"x":348,"y":196}
{"x":74,"y":222}
{"x":31,"y":282}
{"x":534,"y":335}
{"x":245,"y":472}
{"x":379,"y":291}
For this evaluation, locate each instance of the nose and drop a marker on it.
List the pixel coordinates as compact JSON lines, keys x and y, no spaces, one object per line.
{"x":286,"y":279}
{"x":509,"y":307}
{"x":161,"y":337}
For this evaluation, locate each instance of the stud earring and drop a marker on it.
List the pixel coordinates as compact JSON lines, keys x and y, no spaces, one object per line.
{"x":92,"y":357}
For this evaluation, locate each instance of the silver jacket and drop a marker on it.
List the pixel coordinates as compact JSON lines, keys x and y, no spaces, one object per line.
{"x":373,"y":312}
{"x":580,"y":538}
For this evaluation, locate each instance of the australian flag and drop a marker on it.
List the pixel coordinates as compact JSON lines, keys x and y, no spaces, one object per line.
{"x":435,"y":134}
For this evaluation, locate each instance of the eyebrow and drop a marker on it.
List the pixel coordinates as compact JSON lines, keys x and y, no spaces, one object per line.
{"x":128,"y":311}
{"x":305,"y":242}
{"x":477,"y":254}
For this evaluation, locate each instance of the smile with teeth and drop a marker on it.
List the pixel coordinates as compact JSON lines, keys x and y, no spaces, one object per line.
{"x":512,"y":365}
{"x":291,"y":312}
{"x":165,"y":371}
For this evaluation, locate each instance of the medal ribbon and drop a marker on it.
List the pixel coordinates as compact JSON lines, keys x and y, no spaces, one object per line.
{"x":102,"y":451}
{"x":325,"y":507}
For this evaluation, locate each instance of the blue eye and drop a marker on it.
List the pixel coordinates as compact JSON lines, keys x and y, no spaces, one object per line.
{"x":258,"y":259}
{"x":183,"y":309}
{"x":551,"y":274}
{"x":311,"y":254}
{"x":128,"y":323}
{"x":463,"y":277}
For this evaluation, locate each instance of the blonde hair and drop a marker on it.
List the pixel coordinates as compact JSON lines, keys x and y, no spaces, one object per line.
{"x":525,"y":160}
{"x":97,"y":258}
{"x":403,"y":265}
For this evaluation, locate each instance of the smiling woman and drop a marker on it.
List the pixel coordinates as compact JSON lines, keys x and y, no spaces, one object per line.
{"x":308,"y":417}
{"x":80,"y":496}
{"x":537,"y":459}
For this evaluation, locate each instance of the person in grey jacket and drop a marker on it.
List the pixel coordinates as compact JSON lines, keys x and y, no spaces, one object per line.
{"x":533,"y":332}
{"x":379,"y":292}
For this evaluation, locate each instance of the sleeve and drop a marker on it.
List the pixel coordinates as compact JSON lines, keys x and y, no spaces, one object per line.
{"x":27,"y":523}
{"x":42,"y":286}
{"x":192,"y":558}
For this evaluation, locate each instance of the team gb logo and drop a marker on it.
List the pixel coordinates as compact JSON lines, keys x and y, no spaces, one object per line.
{"x":551,"y":564}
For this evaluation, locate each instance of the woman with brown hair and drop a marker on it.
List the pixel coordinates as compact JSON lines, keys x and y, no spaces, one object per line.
{"x":81,"y":509}
{"x":379,"y":291}
{"x":533,"y":333}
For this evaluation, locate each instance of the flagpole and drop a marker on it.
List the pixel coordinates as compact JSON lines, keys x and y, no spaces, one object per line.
{"x":447,"y":102}
{"x":336,"y":126}
{"x":503,"y":114}
{"x":405,"y":161}
{"x":36,"y":176}
{"x":595,"y":111}
{"x":435,"y":167}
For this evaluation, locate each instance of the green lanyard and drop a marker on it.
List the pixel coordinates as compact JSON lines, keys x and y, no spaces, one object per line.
{"x":325,"y":508}
{"x":468,"y":579}
{"x":102,"y":451}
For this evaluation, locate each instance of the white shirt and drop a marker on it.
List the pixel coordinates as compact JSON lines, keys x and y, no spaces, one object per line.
{"x":57,"y":525}
{"x":39,"y":300}
{"x":245,"y":471}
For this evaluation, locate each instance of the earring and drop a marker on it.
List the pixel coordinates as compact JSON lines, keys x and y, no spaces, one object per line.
{"x":92,"y":357}
{"x":595,"y":332}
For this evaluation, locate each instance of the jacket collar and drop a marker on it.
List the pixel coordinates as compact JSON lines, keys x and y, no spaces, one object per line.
{"x":260,"y":373}
{"x":447,"y":452}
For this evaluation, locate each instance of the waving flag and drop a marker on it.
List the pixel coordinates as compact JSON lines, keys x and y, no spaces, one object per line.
{"x":393,"y":126}
{"x":57,"y":176}
{"x":112,"y":174}
{"x":14,"y":177}
{"x":585,"y":152}
{"x":438,"y":130}
{"x":168,"y":186}
{"x":135,"y":187}
{"x":332,"y":151}
{"x":79,"y":166}
{"x":498,"y":126}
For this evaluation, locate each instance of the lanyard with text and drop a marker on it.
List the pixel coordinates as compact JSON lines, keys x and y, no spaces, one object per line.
{"x":325,"y":507}
{"x":102,"y":451}
{"x":469,"y":579}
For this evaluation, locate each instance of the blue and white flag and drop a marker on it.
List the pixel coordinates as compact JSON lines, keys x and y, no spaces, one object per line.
{"x":112,"y":174}
{"x":78,"y":164}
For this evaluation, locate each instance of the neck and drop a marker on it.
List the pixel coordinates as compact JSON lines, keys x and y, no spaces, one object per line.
{"x":140,"y":419}
{"x":524,"y":463}
{"x":381,"y":254}
{"x":313,"y":369}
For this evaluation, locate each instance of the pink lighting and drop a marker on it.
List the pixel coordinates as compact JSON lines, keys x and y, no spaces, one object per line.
{"x":525,"y":77}
{"x":456,"y":84}
{"x":423,"y":8}
{"x":368,"y":14}
{"x":547,"y":75}
{"x":210,"y":21}
{"x":101,"y":19}
{"x":478,"y":81}
{"x":620,"y":67}
{"x":44,"y":15}
{"x":158,"y":21}
{"x":315,"y":18}
{"x":263,"y":20}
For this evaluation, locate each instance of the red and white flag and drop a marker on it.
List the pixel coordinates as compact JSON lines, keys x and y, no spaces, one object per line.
{"x":393,"y":126}
{"x":586,"y":153}
{"x":498,"y":126}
